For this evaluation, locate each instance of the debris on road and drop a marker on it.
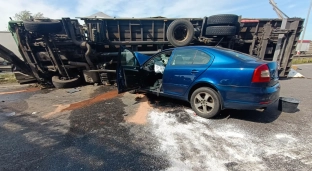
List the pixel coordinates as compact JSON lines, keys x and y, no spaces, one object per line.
{"x":294,"y":74}
{"x":288,"y":104}
{"x":10,"y":114}
{"x":73,"y":90}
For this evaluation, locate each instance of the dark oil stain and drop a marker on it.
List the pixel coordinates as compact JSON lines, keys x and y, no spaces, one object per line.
{"x":181,"y":116}
{"x":231,"y":165}
{"x":165,"y":102}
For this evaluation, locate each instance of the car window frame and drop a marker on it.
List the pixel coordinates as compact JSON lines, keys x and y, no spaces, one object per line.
{"x":172,"y":50}
{"x":135,"y":63}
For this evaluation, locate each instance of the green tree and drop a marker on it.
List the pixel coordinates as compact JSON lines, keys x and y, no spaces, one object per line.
{"x":26,"y":15}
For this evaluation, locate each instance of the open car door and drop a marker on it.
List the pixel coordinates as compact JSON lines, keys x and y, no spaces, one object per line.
{"x":128,"y":75}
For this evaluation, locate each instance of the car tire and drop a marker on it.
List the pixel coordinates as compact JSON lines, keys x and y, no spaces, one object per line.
{"x":208,"y":98}
{"x":58,"y":83}
{"x":43,"y":27}
{"x":222,"y":19}
{"x":221,"y":30}
{"x":180,"y":32}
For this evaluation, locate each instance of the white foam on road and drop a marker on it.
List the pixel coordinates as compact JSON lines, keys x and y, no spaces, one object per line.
{"x":203,"y":144}
{"x":285,"y":136}
{"x":195,"y":145}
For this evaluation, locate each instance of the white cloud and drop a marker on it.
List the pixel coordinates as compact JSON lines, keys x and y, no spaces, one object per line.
{"x":143,"y":8}
{"x":291,"y":6}
{"x":120,"y":8}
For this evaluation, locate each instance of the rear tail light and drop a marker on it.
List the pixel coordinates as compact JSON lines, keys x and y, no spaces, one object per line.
{"x":261,"y":74}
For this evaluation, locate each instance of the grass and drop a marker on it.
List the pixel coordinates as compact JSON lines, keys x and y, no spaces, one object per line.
{"x":302,"y":60}
{"x":7,"y":78}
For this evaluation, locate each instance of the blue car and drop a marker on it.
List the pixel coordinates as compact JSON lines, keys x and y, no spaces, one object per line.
{"x":209,"y":78}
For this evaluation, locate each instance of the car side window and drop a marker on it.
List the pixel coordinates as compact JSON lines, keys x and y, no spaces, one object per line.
{"x":201,"y":58}
{"x":190,"y":57}
{"x":183,"y":57}
{"x":128,"y":58}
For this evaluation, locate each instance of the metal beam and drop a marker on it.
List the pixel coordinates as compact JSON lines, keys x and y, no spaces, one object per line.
{"x":278,"y":48}
{"x":305,"y":25}
{"x":288,"y":54}
{"x":278,"y":11}
{"x":265,"y":39}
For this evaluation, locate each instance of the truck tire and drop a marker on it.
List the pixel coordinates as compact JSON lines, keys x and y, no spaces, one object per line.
{"x":221,"y":30}
{"x":43,"y":27}
{"x":222,"y":19}
{"x":180,"y":32}
{"x":58,"y":83}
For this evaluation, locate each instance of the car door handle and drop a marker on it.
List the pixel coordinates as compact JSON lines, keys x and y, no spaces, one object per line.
{"x":194,"y":71}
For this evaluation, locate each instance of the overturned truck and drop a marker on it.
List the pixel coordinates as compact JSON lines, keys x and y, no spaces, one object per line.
{"x":66,"y":54}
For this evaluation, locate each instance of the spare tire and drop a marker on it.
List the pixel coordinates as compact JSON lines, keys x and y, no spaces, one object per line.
{"x":43,"y":27}
{"x":222,"y":19}
{"x":221,"y":31}
{"x":58,"y":83}
{"x":180,"y":32}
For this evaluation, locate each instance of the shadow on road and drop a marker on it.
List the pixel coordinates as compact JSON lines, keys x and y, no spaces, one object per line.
{"x":267,"y":116}
{"x":94,"y":139}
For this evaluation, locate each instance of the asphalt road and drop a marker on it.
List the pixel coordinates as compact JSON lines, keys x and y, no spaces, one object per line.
{"x":94,"y":128}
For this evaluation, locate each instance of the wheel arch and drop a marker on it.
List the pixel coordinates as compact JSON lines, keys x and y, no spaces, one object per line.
{"x":205,"y":84}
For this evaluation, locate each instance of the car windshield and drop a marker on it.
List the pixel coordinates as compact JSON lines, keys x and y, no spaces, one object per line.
{"x":239,"y":55}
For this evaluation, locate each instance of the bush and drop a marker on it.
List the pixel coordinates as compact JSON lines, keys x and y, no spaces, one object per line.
{"x":302,"y":60}
{"x":7,"y":78}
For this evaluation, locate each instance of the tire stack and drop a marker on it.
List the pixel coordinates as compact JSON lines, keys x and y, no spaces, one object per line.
{"x":222,"y":25}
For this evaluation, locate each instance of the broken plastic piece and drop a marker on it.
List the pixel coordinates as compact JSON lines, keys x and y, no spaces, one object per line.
{"x":10,"y":114}
{"x":159,"y":67}
{"x":71,"y":91}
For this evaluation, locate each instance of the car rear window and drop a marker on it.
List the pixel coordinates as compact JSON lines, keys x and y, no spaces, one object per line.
{"x":236,"y":54}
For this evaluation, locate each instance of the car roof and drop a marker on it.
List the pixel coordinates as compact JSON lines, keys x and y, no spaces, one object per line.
{"x":212,"y":48}
{"x":209,"y":49}
{"x":221,"y":50}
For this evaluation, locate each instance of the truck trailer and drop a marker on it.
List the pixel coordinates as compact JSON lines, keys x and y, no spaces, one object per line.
{"x":65,"y":53}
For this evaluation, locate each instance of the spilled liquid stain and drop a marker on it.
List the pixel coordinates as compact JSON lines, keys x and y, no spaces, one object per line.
{"x":140,"y":117}
{"x":59,"y":108}
{"x":20,"y":91}
{"x":101,"y":97}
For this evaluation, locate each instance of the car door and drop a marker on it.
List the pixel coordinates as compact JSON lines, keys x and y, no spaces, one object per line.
{"x":128,"y":71}
{"x":185,"y":66}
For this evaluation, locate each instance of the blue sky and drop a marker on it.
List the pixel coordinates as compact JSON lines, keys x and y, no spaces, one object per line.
{"x":148,"y":8}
